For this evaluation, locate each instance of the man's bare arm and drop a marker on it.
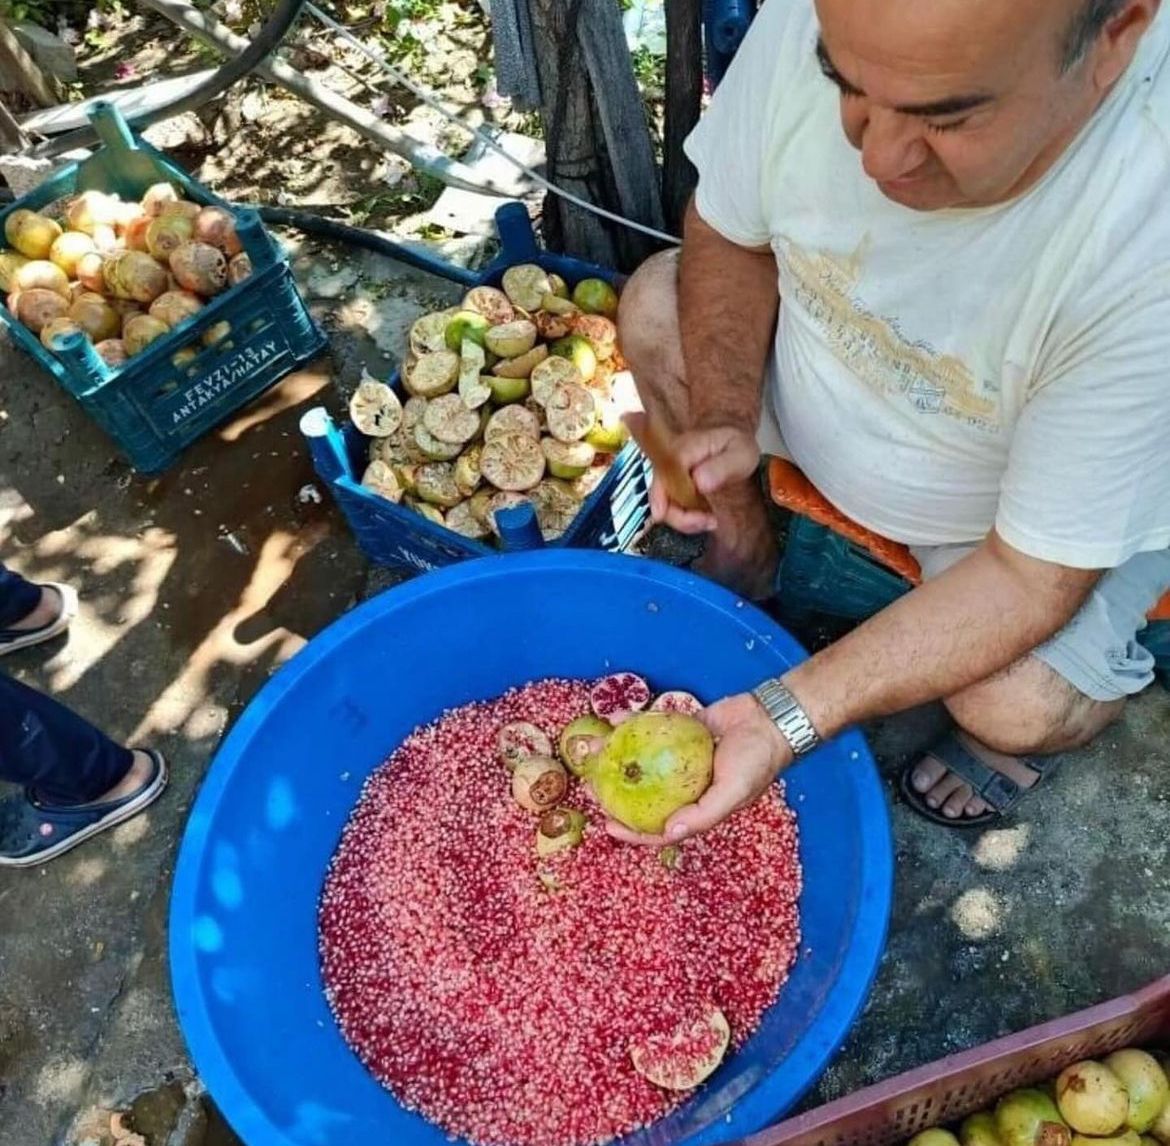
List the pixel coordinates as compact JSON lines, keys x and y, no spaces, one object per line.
{"x":979,"y":617}
{"x":727,"y":312}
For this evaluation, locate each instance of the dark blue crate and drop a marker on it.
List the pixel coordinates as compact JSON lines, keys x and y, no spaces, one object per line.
{"x":610,"y":518}
{"x":1155,"y":637}
{"x":152,"y":406}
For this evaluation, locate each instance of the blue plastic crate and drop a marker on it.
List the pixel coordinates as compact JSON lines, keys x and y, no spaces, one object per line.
{"x":610,"y":518}
{"x":151,"y":406}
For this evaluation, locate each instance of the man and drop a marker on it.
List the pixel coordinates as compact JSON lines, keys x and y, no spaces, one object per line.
{"x":928,"y":259}
{"x":76,"y":781}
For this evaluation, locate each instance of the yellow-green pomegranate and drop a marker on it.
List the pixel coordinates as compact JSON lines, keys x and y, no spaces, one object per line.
{"x":652,"y":765}
{"x":1030,"y":1118}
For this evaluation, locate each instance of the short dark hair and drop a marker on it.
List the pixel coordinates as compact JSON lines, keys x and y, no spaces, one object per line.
{"x":1086,"y":26}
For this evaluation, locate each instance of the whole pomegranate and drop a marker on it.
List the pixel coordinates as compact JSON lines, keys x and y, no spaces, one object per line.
{"x":199,"y":267}
{"x":217,"y":228}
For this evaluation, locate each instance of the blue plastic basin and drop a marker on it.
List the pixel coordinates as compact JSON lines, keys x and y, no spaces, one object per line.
{"x":243,"y":937}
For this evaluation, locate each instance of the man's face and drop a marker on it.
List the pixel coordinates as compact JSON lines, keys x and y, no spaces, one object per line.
{"x":959,"y":104}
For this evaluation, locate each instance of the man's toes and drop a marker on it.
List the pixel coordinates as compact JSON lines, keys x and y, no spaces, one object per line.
{"x":942,"y":791}
{"x":975,"y":807}
{"x":956,"y":803}
{"x":927,"y":773}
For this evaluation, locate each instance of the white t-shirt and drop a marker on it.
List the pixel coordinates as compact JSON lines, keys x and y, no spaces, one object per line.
{"x":940,"y":373}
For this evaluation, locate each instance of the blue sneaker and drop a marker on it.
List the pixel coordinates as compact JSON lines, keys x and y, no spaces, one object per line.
{"x":13,"y":639}
{"x":32,"y":831}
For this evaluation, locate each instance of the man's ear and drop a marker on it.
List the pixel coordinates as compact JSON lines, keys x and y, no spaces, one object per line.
{"x":1119,"y":39}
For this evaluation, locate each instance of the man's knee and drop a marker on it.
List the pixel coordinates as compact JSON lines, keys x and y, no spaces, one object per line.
{"x":1029,"y":708}
{"x":648,"y":312}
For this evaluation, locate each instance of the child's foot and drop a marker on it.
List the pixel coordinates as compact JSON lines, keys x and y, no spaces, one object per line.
{"x":52,"y":616}
{"x":32,"y":831}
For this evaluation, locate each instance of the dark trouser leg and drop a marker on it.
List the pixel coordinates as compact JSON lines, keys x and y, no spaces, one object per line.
{"x":45,"y":746}
{"x":18,"y":597}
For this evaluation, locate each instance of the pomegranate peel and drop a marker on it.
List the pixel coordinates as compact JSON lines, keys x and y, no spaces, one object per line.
{"x":682,"y":1059}
{"x":619,"y":693}
{"x":539,"y":783}
{"x":559,"y":829}
{"x":520,"y":740}
{"x":579,"y":742}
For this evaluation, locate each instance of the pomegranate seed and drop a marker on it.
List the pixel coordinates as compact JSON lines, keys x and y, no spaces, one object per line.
{"x":499,"y":993}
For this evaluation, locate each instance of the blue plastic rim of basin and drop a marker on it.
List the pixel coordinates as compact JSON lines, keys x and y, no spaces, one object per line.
{"x":243,"y":941}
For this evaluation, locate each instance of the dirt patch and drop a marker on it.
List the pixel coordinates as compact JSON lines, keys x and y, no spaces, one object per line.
{"x":259,"y":143}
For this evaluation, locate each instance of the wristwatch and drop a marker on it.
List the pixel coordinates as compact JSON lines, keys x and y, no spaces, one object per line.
{"x":786,"y":713}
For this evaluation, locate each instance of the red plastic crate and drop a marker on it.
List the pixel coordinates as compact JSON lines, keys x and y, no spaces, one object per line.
{"x":951,"y":1088}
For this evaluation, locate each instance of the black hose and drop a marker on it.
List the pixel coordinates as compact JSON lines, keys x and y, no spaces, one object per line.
{"x":331,"y":229}
{"x":284,"y":15}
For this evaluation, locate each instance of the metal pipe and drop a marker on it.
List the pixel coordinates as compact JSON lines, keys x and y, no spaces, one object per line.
{"x":283,"y":16}
{"x":429,"y":159}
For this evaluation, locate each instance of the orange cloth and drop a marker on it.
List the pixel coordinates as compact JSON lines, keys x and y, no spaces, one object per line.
{"x":792,"y":490}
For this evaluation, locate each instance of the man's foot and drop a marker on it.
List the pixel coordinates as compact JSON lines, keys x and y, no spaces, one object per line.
{"x":751,"y":573}
{"x":52,"y":615}
{"x":33,"y":831}
{"x":937,"y":783}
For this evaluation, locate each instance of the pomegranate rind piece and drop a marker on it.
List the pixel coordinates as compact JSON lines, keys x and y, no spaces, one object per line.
{"x":576,"y":741}
{"x":493,"y":304}
{"x":449,"y":420}
{"x":567,"y":460}
{"x":686,"y":1057}
{"x":380,"y":478}
{"x":521,"y":740}
{"x":474,"y":389}
{"x":677,"y":700}
{"x":512,"y":462}
{"x":549,"y":373}
{"x":511,"y":339}
{"x":429,"y":333}
{"x":523,"y":364}
{"x":539,"y":783}
{"x":571,"y":411}
{"x":461,"y":519}
{"x":434,"y":374}
{"x":559,"y":829}
{"x":618,"y":694}
{"x":375,"y":409}
{"x":435,"y":484}
{"x":432,"y":448}
{"x":526,"y":284}
{"x":512,"y":420}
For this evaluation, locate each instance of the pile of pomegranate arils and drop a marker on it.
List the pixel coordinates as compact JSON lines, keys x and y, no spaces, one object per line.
{"x":121,"y":274}
{"x":516,"y":975}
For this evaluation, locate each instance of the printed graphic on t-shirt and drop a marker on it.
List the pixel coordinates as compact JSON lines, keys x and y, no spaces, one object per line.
{"x":874,"y":349}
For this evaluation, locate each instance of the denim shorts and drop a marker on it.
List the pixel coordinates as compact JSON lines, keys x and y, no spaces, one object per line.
{"x":1097,"y":652}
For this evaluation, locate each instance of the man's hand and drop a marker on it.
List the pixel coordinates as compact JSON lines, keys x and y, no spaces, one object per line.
{"x":749,"y":752}
{"x":712,"y":459}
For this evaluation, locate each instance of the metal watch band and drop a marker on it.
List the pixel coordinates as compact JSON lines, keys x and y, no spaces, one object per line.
{"x":786,"y":713}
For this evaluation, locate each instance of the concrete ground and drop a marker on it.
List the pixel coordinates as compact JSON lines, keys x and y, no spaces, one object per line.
{"x":197,"y":584}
